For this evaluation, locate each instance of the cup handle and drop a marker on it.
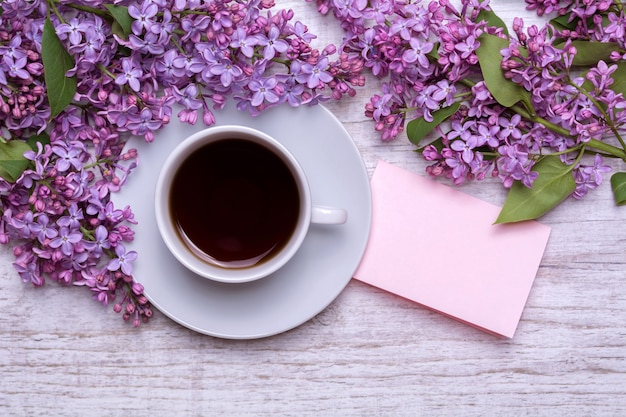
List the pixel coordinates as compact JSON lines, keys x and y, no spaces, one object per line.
{"x":328,"y":215}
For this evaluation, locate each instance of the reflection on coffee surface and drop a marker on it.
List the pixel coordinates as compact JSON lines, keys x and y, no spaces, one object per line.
{"x":234,"y":203}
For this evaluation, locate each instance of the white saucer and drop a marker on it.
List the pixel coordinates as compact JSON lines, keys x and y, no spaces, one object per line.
{"x":309,"y":282}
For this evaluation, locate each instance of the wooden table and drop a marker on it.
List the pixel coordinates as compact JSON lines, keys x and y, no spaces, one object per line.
{"x":369,"y":354}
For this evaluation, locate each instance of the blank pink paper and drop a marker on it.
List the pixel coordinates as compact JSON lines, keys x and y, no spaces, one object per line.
{"x":438,"y":246}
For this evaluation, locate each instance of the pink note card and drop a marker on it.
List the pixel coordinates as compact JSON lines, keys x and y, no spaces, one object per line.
{"x":437,"y":246}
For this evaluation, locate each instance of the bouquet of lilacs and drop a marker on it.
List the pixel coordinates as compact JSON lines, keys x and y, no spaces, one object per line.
{"x":78,"y":77}
{"x":538,"y":107}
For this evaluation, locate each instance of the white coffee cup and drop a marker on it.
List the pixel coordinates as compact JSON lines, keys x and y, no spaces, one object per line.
{"x":187,"y":207}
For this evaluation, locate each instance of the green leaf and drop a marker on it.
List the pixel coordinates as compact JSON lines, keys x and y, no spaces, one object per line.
{"x":42,"y":138}
{"x":589,"y":53}
{"x":437,"y":143}
{"x":562,"y":22}
{"x":56,"y":62}
{"x":618,"y":184}
{"x":492,"y":19}
{"x":417,"y":129}
{"x":12,"y":160}
{"x":553,"y":185}
{"x":505,"y":91}
{"x":122,"y":21}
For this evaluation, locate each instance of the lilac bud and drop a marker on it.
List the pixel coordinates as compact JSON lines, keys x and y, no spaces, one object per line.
{"x":57,"y":255}
{"x":17,"y":25}
{"x":137,"y":288}
{"x":208,"y":118}
{"x":597,"y":19}
{"x":35,"y":68}
{"x":130,"y":308}
{"x":329,"y":50}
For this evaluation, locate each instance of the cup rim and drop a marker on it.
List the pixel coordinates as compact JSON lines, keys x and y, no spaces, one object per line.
{"x":170,"y":236}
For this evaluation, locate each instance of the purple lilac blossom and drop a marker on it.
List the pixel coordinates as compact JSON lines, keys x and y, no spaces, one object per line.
{"x":569,"y":112}
{"x":185,"y":53}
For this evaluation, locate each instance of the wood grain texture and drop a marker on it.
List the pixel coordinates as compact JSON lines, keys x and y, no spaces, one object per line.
{"x":368,"y":354}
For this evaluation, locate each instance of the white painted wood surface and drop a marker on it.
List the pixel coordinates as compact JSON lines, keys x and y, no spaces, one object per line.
{"x":369,"y":354}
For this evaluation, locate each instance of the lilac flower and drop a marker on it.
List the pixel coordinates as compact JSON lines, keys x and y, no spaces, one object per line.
{"x":245,"y":43}
{"x":130,"y":75}
{"x":600,"y":75}
{"x":68,"y":157}
{"x":444,"y":92}
{"x":488,"y":135}
{"x":515,"y":164}
{"x":29,"y":271}
{"x":143,"y":123}
{"x":14,"y":48}
{"x":378,"y":11}
{"x":418,"y":52}
{"x":142,"y":16}
{"x":189,"y":97}
{"x":73,"y":30}
{"x":468,"y":47}
{"x":426,"y":103}
{"x":73,"y":218}
{"x":171,"y":66}
{"x":589,"y":177}
{"x":65,"y":240}
{"x":90,"y":48}
{"x":317,"y":74}
{"x":466,"y":148}
{"x":263,"y":90}
{"x":272,"y":44}
{"x":509,"y":127}
{"x":43,"y":229}
{"x":302,"y":32}
{"x":16,"y":67}
{"x":227,"y":71}
{"x":380,"y":106}
{"x":123,"y":261}
{"x":100,"y":242}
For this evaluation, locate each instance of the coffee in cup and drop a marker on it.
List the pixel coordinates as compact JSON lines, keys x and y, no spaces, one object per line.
{"x":234,"y":205}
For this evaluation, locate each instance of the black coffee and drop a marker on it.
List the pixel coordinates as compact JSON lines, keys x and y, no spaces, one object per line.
{"x":234,"y":203}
